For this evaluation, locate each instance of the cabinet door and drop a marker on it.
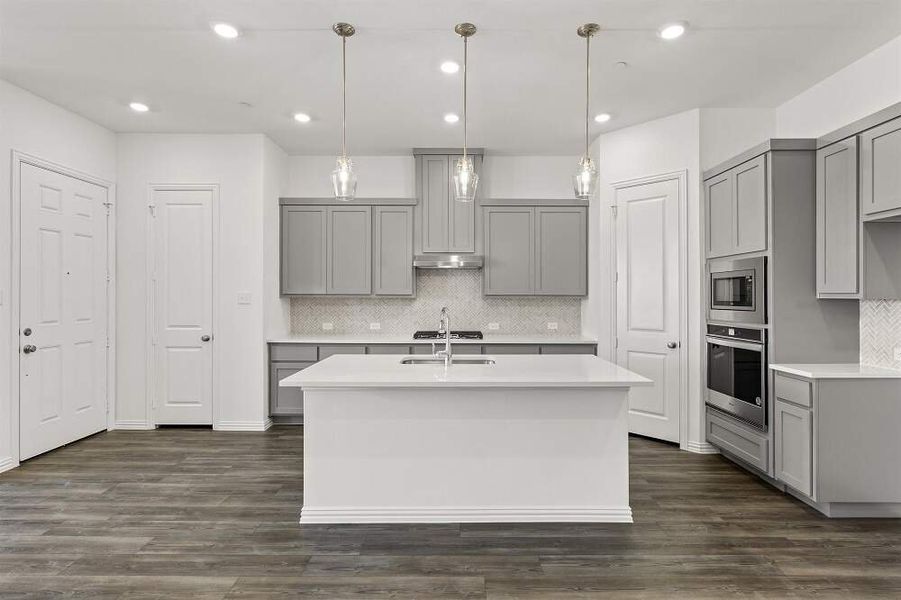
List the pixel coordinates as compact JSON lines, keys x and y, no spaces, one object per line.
{"x":285,"y":401}
{"x":509,"y":251}
{"x":750,"y":205}
{"x":838,"y":250}
{"x":434,"y":195}
{"x":718,"y":194}
{"x":393,"y":251}
{"x":303,"y":249}
{"x":880,"y":168}
{"x":561,"y":251}
{"x":460,"y":215}
{"x":794,"y":440}
{"x":349,"y":250}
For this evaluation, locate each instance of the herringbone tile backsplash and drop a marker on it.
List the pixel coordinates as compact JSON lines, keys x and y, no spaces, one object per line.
{"x":880,"y":332}
{"x":461,"y":291}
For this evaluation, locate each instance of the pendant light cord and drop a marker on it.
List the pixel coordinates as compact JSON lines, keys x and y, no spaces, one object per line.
{"x":344,"y":96}
{"x":465,"y":64}
{"x":587,"y":86}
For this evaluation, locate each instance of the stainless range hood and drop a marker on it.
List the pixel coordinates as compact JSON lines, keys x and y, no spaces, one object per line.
{"x":447,"y":261}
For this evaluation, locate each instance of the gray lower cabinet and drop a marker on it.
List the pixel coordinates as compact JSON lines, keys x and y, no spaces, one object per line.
{"x":393,"y":251}
{"x":535,"y":250}
{"x":838,"y":227}
{"x":288,"y":401}
{"x":388,"y":349}
{"x":738,"y":440}
{"x":880,"y":175}
{"x":569,"y":349}
{"x":349,"y":264}
{"x":736,"y":209}
{"x":512,"y":349}
{"x":303,"y":249}
{"x":794,"y":444}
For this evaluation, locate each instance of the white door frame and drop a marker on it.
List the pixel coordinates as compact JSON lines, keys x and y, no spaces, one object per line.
{"x":18,"y":159}
{"x":681,"y":178}
{"x":150,"y":325}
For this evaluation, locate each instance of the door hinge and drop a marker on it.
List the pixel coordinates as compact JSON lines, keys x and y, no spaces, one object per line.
{"x":152,"y":209}
{"x":108,"y":206}
{"x":613,"y":208}
{"x":616,"y":277}
{"x":616,"y":342}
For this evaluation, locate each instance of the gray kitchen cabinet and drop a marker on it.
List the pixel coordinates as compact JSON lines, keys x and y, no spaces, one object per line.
{"x":287,"y":401}
{"x":512,"y":349}
{"x":736,"y":209}
{"x":838,"y":241}
{"x":562,"y":251}
{"x":326,"y":351}
{"x":569,"y":349}
{"x":794,"y":443}
{"x":349,"y":256}
{"x":387,"y":349}
{"x":509,"y":251}
{"x":393,"y":251}
{"x":455,"y":348}
{"x":738,"y":440}
{"x":447,"y":224}
{"x":880,"y":170}
{"x":303,"y":249}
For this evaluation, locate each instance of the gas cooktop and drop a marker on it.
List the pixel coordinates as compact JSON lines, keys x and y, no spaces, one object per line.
{"x":455,"y":335}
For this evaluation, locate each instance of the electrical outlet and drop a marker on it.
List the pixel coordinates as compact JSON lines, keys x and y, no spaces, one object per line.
{"x":245,"y":298}
{"x":552,"y":325}
{"x":375,"y":326}
{"x":897,"y":354}
{"x":327,"y":326}
{"x":494,"y":326}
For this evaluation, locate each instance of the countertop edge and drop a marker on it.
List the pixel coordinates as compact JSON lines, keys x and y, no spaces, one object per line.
{"x":833,"y":371}
{"x":410,"y":341}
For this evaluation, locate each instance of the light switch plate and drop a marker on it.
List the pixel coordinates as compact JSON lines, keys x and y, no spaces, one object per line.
{"x":552,"y":325}
{"x":375,"y":326}
{"x":327,"y":326}
{"x":245,"y":298}
{"x":897,"y":354}
{"x":494,"y":326}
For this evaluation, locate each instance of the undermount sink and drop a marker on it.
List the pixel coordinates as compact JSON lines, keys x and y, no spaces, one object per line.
{"x":430,"y":360}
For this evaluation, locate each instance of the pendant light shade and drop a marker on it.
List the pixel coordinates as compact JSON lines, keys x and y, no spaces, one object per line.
{"x":344,"y":180}
{"x":585,"y":181}
{"x":466,"y":180}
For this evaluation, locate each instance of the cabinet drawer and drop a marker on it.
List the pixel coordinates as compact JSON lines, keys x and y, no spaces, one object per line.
{"x":455,"y":348}
{"x":511,"y":349}
{"x":326,"y":351}
{"x":738,"y":440}
{"x":292,"y":352}
{"x":793,"y":390}
{"x":569,"y":349}
{"x":389,"y":349}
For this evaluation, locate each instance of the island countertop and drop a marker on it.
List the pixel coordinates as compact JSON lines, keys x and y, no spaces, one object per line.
{"x":533,"y":371}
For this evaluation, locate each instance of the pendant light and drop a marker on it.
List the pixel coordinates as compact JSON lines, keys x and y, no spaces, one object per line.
{"x":585,"y":180}
{"x":466,"y":180}
{"x":344,"y":180}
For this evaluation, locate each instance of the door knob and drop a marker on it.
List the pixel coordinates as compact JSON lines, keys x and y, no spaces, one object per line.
{"x":29,"y":348}
{"x":672,"y":345}
{"x":26,"y":331}
{"x":205,"y":338}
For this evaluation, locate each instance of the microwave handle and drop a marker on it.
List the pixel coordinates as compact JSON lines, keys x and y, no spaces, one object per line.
{"x":735,"y":343}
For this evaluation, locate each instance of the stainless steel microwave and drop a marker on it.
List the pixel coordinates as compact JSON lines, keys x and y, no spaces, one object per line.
{"x":737,"y":292}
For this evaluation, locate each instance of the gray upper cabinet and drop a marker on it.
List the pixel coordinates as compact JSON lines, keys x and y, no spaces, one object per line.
{"x":838,"y":253}
{"x":393,"y":251}
{"x":736,"y":209}
{"x":447,"y":225}
{"x":562,"y":251}
{"x":303,"y":249}
{"x":510,"y":251}
{"x":349,"y":257}
{"x":880,"y":170}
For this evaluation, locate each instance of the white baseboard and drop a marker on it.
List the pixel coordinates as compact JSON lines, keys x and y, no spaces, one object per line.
{"x":7,"y":463}
{"x":243,"y":425}
{"x":701,"y":448}
{"x":468,"y":514}
{"x":135,"y":424}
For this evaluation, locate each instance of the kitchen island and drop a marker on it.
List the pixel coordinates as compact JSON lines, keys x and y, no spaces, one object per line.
{"x":517,"y":439}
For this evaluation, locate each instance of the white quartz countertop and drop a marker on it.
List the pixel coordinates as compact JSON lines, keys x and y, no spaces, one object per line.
{"x":387,"y":371}
{"x":836,"y":371}
{"x":408,"y":339}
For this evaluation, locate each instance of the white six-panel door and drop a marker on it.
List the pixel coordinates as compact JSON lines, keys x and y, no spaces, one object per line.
{"x":647,"y":301}
{"x":183,"y":305}
{"x":63,"y":310}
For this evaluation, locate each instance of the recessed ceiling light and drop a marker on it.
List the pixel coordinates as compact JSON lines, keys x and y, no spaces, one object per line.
{"x":672,"y":31}
{"x":302,"y":117}
{"x":225,"y":30}
{"x":138,"y":107}
{"x":450,"y":67}
{"x":601,"y":118}
{"x":451,"y":118}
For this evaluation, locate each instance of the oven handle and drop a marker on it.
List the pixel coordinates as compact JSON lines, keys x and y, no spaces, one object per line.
{"x":735,"y":343}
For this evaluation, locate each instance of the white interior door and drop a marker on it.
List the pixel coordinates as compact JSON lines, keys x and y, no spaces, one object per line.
{"x":183,"y":306}
{"x":63,"y":310}
{"x":647,"y":301}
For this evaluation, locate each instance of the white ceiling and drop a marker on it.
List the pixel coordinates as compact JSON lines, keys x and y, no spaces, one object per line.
{"x":526,"y":64}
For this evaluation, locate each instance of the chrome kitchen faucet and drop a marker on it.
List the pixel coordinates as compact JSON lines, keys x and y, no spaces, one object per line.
{"x":444,"y":328}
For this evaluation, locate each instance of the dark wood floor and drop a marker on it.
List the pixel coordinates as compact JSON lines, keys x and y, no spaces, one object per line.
{"x":196,"y":514}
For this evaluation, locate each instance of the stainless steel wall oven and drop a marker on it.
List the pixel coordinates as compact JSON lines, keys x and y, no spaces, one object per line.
{"x":736,"y":372}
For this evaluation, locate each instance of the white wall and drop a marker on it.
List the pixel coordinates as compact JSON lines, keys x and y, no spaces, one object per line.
{"x":667,"y":145}
{"x":726,"y":132}
{"x":235,"y":163}
{"x":34,"y":126}
{"x":860,"y":89}
{"x":275,"y":183}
